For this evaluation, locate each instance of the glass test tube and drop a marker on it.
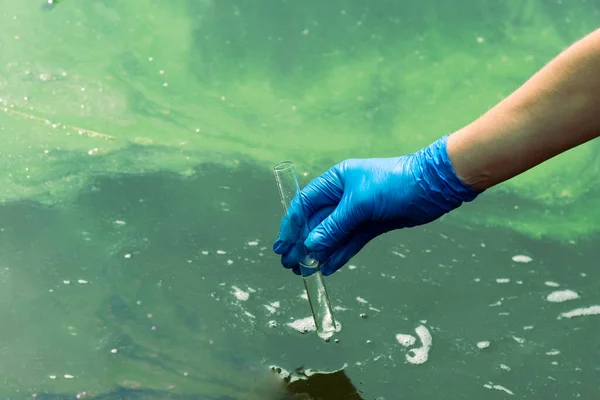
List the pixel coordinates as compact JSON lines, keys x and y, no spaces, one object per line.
{"x":289,"y":192}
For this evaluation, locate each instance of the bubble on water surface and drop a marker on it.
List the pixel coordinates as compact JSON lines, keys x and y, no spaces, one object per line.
{"x":483,"y":345}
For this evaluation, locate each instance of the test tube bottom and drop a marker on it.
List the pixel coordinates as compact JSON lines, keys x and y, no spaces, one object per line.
{"x":319,"y":303}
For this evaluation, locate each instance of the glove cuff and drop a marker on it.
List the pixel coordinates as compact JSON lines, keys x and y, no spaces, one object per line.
{"x":444,"y":185}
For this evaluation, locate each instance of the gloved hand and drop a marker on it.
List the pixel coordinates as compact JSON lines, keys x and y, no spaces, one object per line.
{"x":359,"y":199}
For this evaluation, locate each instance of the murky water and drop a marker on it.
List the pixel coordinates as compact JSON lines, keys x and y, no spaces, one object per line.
{"x":138,"y":207}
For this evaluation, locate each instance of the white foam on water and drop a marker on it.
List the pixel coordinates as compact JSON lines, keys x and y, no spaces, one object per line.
{"x":496,"y":304}
{"x":128,"y":255}
{"x":551,"y":284}
{"x":580,"y":312}
{"x":518,"y":339}
{"x":221,"y":252}
{"x":562,"y":295}
{"x":304,"y":296}
{"x":272,"y":324}
{"x":339,"y":308}
{"x":66,"y":282}
{"x":483,"y":345}
{"x":374,"y":309}
{"x":270,"y":308}
{"x":351,"y":266}
{"x":253,"y":243}
{"x":418,"y":356}
{"x":67,"y":376}
{"x":240,"y":294}
{"x":528,"y":327}
{"x":303,"y":325}
{"x":83,"y":281}
{"x":553,"y":352}
{"x":502,"y":280}
{"x":421,"y":354}
{"x":229,"y":262}
{"x":275,"y":304}
{"x":399,"y":254}
{"x":205,"y":252}
{"x":505,"y":367}
{"x":361,"y":300}
{"x":249,"y":314}
{"x":522,"y":258}
{"x":406,"y":340}
{"x":501,"y":388}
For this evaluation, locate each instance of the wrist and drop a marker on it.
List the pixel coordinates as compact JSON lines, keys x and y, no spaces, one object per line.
{"x":444,"y":184}
{"x":467,"y":166}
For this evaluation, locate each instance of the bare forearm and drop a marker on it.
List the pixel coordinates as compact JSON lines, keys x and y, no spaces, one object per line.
{"x":554,"y":111}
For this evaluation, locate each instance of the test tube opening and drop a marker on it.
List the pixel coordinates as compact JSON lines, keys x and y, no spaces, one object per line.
{"x":282,"y":166}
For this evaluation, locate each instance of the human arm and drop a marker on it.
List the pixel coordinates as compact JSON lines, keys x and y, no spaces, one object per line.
{"x":557,"y":109}
{"x":357,"y":200}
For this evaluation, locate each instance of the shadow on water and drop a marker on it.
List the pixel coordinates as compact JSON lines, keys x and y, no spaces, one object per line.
{"x":334,"y":386}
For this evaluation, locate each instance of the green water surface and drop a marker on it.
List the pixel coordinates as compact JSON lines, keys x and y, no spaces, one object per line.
{"x":138,"y":209}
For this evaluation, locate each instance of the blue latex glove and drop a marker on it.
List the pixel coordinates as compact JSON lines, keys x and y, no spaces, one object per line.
{"x":359,"y":199}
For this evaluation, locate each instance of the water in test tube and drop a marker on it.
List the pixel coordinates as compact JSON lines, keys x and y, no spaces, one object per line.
{"x":289,"y":192}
